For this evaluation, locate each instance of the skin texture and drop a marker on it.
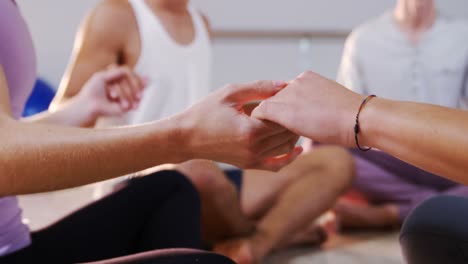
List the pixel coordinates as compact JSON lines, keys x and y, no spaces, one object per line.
{"x":248,"y":225}
{"x":109,"y":36}
{"x":99,"y":44}
{"x":41,"y":157}
{"x":36,"y":156}
{"x":97,"y":98}
{"x":105,"y":49}
{"x":430,"y":137}
{"x":268,"y":198}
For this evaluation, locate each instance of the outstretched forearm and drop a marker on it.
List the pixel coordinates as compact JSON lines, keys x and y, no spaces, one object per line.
{"x":37,"y":158}
{"x":74,"y":112}
{"x":431,"y":137}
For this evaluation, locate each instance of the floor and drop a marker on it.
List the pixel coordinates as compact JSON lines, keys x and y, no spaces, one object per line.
{"x":356,"y":248}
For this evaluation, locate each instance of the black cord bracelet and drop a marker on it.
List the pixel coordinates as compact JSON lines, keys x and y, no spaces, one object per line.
{"x":356,"y":126}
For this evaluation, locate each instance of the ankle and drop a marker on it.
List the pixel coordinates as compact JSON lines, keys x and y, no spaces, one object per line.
{"x":263,"y":242}
{"x":383,"y":216}
{"x":392,"y":214}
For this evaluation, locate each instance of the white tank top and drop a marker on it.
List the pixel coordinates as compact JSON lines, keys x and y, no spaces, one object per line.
{"x":179,"y":75}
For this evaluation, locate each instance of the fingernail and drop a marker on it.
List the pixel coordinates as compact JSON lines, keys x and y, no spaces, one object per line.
{"x":280,"y":83}
{"x":113,"y":94}
{"x":125,"y":104}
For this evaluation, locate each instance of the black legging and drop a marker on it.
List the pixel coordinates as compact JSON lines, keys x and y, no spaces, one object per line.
{"x":161,"y":210}
{"x":436,"y":232}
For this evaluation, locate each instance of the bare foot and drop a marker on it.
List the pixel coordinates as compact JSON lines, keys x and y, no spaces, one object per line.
{"x":252,"y":250}
{"x":352,"y":215}
{"x":240,"y":250}
{"x":313,"y":235}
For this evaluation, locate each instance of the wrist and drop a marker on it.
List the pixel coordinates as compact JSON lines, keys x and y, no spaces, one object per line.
{"x":348,"y":121}
{"x":369,"y":122}
{"x":357,"y":127}
{"x":89,"y":108}
{"x":180,"y":135}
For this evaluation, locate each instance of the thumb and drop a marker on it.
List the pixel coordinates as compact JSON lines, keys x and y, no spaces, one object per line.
{"x":259,"y":90}
{"x":276,"y":163}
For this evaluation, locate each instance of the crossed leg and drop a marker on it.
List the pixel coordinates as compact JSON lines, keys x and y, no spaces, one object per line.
{"x":221,"y":213}
{"x":393,"y":189}
{"x":275,"y":209}
{"x":286,"y":204}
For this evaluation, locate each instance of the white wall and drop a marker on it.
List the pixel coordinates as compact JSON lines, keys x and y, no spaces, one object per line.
{"x":53,"y":24}
{"x":304,"y":14}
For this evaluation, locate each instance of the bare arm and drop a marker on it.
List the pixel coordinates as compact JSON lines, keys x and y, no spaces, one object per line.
{"x":40,"y":157}
{"x":431,"y":137}
{"x":94,"y":100}
{"x":72,"y":113}
{"x":98,"y":44}
{"x":36,"y":157}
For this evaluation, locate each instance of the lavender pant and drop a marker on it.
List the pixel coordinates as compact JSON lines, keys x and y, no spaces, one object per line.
{"x":385,"y":179}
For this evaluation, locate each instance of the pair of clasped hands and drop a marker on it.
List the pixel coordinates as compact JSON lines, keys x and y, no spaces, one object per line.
{"x":264,"y":137}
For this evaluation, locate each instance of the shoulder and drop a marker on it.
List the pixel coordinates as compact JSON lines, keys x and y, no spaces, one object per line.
{"x":369,"y":29}
{"x":454,"y":24}
{"x":453,"y":31}
{"x":366,"y":33}
{"x":114,"y":8}
{"x":111,"y":18}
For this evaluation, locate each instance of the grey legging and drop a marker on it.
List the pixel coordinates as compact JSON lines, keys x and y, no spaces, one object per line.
{"x":436,"y":232}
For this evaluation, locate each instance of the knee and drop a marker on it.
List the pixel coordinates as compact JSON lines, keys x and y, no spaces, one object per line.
{"x":436,"y":231}
{"x":205,"y":182}
{"x":334,"y":162}
{"x":205,"y":175}
{"x":172,"y":180}
{"x":215,"y":185}
{"x":440,"y":214}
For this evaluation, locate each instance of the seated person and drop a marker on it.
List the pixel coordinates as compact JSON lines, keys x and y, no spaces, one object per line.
{"x":41,"y":153}
{"x":413,"y":53}
{"x":168,"y":43}
{"x":436,"y":231}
